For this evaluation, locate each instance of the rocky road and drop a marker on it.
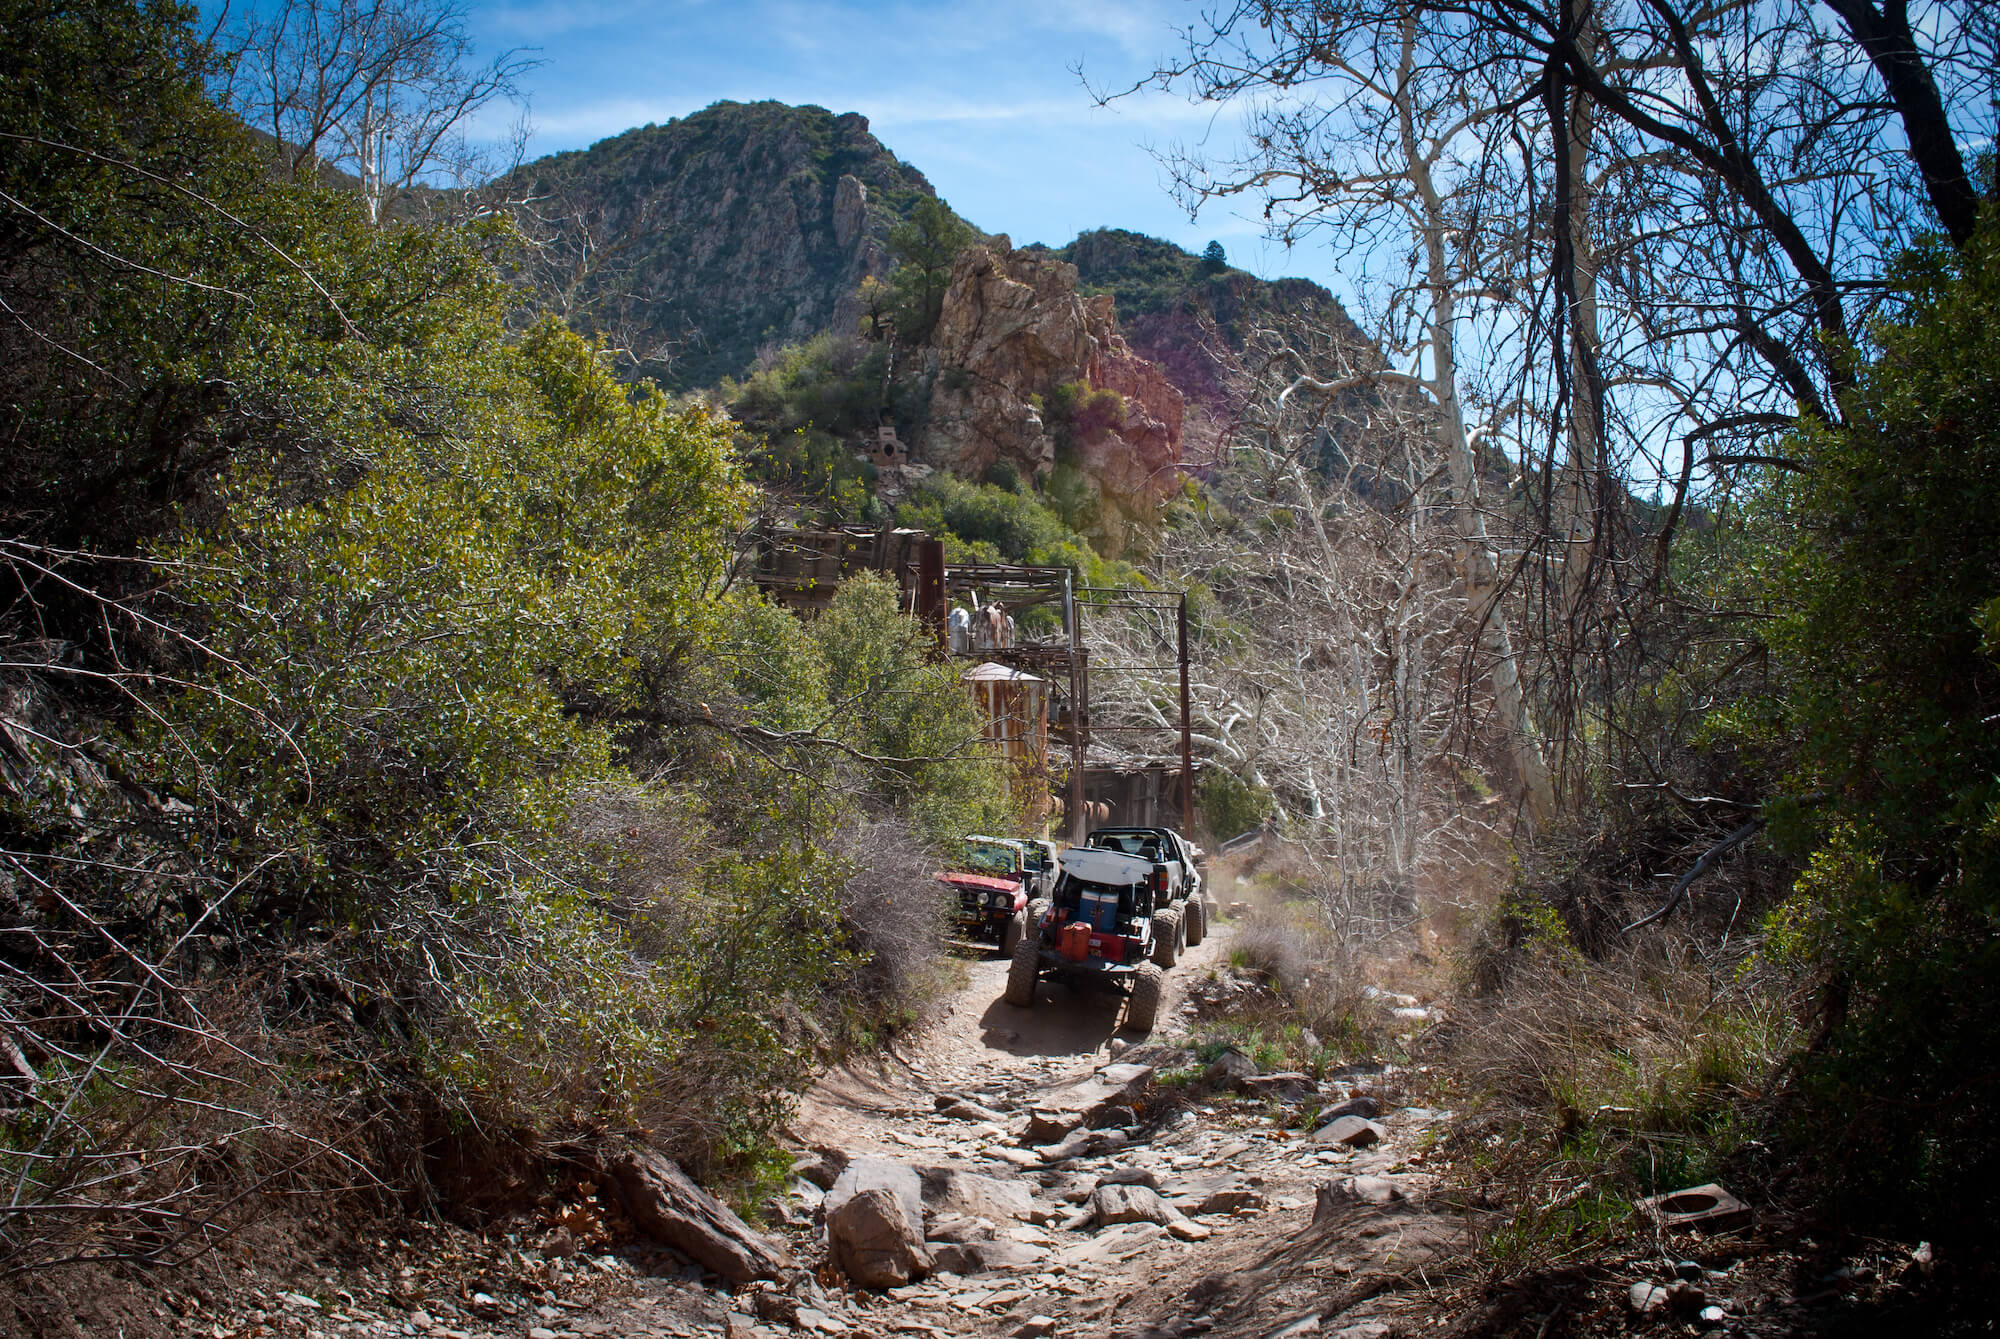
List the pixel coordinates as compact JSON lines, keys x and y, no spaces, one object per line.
{"x":1010,"y":1172}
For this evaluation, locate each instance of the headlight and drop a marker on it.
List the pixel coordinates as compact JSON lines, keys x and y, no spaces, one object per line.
{"x":998,"y":899}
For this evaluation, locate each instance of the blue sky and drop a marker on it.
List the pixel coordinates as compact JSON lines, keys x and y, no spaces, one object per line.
{"x":982,"y":98}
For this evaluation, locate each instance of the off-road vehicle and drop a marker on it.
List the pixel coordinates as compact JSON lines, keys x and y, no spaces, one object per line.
{"x":992,"y":880}
{"x":1175,"y":880}
{"x":1104,"y":927}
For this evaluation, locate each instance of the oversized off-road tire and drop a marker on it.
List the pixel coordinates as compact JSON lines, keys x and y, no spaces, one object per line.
{"x":1036,"y":910}
{"x":1167,"y":936}
{"x":1013,"y":932}
{"x":1023,"y":972}
{"x":1195,"y":918}
{"x":1144,"y":1005}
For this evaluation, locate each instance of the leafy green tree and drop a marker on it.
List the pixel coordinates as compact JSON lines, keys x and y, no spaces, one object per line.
{"x":1883,"y":575}
{"x":893,"y":700}
{"x":925,"y":245}
{"x":1229,"y":805}
{"x":985,"y":523}
{"x":401,"y":661}
{"x":1214,"y":260}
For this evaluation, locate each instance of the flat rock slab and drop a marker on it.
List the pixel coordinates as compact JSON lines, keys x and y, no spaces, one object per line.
{"x":667,"y":1206}
{"x":1114,"y":1204}
{"x":983,"y":1257}
{"x":1083,"y":1143}
{"x":1092,"y":1097}
{"x":1372,"y":1189}
{"x":1115,"y":1246}
{"x":1351,"y":1131}
{"x":1130,"y":1176}
{"x":1287,"y":1086}
{"x":947,"y":1190}
{"x":1231,"y":1199}
{"x":1046,"y":1125}
{"x":957,"y":1229}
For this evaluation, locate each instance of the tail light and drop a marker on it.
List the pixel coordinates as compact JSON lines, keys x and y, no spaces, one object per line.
{"x":1159,"y":881}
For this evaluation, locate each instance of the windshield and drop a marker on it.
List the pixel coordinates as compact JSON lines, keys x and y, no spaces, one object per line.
{"x":990,"y":857}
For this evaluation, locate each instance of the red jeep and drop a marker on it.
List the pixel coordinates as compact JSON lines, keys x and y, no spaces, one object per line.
{"x":993,"y":879}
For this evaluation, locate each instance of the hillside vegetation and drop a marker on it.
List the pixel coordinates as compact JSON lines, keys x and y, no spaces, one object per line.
{"x":389,"y":768}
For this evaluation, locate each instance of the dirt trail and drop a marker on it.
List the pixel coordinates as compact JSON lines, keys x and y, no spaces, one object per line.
{"x":980,"y":1043}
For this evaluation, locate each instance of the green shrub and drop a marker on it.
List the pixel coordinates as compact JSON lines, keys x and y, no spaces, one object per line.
{"x":1882,"y":567}
{"x":1230,"y":806}
{"x":804,"y":414}
{"x":984,"y":523}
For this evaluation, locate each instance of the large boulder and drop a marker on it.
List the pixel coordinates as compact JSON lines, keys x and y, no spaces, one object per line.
{"x":1230,"y":1069}
{"x":1361,"y":1104}
{"x":872,"y":1173}
{"x":881,"y":1243}
{"x":874,"y":1240}
{"x":664,"y":1204}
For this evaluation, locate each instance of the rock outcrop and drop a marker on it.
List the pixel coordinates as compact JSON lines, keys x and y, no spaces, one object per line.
{"x":1093,"y":1098}
{"x":667,"y":1206}
{"x":1014,"y":328}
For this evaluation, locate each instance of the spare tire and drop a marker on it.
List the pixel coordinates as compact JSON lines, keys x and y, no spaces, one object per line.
{"x":1195,"y":918}
{"x":1023,"y":972}
{"x":1144,"y":1005}
{"x":1167,"y":936}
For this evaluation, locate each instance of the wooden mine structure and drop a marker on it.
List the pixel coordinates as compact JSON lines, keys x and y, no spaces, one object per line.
{"x":801,"y":570}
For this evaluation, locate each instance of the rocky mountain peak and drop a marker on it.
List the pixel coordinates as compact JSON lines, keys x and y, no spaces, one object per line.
{"x":742,"y":227}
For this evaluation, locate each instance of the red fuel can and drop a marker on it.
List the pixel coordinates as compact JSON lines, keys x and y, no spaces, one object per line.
{"x":1075,"y":941}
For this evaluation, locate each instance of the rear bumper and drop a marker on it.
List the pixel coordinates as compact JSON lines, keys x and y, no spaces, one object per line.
{"x":1054,"y":964}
